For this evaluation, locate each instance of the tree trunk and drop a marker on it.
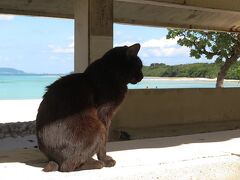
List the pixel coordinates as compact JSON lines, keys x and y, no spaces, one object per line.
{"x":228,"y":63}
{"x":220,"y":79}
{"x":223,"y":71}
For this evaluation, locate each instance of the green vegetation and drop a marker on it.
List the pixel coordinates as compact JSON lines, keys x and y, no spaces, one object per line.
{"x":203,"y":70}
{"x":221,"y":46}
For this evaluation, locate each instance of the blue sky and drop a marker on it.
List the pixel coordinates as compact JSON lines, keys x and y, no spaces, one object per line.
{"x":45,"y":45}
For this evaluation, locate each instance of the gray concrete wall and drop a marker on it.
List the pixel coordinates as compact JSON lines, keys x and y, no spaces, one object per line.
{"x":220,"y":15}
{"x":160,"y":112}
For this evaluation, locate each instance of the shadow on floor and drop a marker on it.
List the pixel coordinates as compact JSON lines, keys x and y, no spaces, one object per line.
{"x":174,"y":141}
{"x":34,"y":157}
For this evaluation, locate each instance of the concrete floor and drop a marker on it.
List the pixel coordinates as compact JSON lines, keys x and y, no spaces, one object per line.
{"x":200,"y":156}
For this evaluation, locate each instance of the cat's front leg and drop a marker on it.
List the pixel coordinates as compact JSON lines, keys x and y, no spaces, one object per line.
{"x":105,"y":114}
{"x":102,"y":156}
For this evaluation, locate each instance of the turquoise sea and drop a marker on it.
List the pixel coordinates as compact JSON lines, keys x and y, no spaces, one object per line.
{"x":33,"y":86}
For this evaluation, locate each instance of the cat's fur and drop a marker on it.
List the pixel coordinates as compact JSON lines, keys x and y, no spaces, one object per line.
{"x":74,"y":117}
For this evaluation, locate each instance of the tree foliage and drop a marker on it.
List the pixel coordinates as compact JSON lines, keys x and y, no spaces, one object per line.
{"x":203,"y":43}
{"x":203,"y":70}
{"x":221,"y":46}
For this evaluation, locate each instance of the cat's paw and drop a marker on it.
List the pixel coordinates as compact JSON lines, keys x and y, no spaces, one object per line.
{"x":51,"y":166}
{"x":91,"y":164}
{"x":108,"y":161}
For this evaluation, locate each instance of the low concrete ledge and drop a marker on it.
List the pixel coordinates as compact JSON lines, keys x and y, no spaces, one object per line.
{"x":125,"y":133}
{"x":200,"y":156}
{"x":169,"y":112}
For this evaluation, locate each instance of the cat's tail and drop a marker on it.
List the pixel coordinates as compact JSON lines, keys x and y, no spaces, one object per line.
{"x":51,"y":166}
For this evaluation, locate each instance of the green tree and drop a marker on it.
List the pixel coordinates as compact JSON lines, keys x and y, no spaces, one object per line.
{"x":221,"y":46}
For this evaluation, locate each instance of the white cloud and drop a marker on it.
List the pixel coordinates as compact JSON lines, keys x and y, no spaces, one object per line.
{"x":163,"y":48}
{"x":164,"y":52}
{"x":157,"y":48}
{"x":126,"y":43}
{"x":162,"y":42}
{"x":58,"y":49}
{"x":4,"y":59}
{"x":117,"y":33}
{"x":153,"y":48}
{"x":5,"y":17}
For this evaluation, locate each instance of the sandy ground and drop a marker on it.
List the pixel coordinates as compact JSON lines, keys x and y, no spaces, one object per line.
{"x":207,"y":156}
{"x":18,"y":110}
{"x":189,"y":79}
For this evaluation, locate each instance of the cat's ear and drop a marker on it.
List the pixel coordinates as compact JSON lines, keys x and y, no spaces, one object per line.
{"x":133,"y":50}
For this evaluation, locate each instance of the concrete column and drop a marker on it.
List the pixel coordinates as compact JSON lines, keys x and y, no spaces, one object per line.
{"x":93,"y":31}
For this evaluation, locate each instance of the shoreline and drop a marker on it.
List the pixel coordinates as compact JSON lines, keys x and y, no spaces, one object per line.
{"x":22,"y":110}
{"x":187,"y":79}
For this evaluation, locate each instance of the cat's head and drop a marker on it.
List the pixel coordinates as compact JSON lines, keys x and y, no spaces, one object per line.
{"x":125,"y":63}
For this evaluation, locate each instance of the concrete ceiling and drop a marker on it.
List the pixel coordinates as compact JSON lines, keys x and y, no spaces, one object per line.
{"x":218,"y":15}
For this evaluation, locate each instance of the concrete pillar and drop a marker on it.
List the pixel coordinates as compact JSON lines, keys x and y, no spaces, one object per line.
{"x":93,"y":31}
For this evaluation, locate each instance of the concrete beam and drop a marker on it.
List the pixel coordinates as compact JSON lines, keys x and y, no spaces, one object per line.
{"x":52,"y":8}
{"x":172,"y":14}
{"x":220,"y":15}
{"x":93,"y":31}
{"x":232,"y":6}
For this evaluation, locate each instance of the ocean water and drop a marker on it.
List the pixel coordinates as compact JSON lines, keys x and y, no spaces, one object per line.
{"x":33,"y":86}
{"x":24,"y":86}
{"x":174,"y":83}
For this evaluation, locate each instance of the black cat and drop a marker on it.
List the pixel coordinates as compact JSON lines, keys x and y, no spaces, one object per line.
{"x":74,"y":117}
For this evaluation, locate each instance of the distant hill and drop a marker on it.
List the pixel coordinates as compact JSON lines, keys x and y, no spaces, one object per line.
{"x":9,"y":71}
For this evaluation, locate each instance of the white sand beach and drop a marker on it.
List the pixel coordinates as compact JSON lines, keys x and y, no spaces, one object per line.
{"x":26,"y":110}
{"x":188,"y":79}
{"x":18,"y":110}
